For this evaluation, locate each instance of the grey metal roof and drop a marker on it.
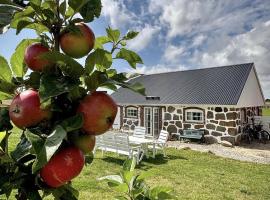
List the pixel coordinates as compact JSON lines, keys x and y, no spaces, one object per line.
{"x":217,"y":86}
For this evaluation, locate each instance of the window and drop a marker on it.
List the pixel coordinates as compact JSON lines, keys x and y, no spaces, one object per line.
{"x":132,"y":112}
{"x":194,"y":115}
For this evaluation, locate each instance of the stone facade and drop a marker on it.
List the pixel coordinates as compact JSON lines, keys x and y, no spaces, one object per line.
{"x":223,"y":123}
{"x":129,"y":123}
{"x":219,"y":121}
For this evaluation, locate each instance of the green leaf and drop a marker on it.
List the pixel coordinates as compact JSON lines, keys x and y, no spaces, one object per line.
{"x":131,"y":57}
{"x":112,"y":178}
{"x":4,"y":96}
{"x":51,"y":86}
{"x":136,"y":87}
{"x":49,"y":5}
{"x":100,"y":41}
{"x":26,"y":14}
{"x":21,"y":25}
{"x":130,"y":35}
{"x":100,"y":58}
{"x":36,"y":2}
{"x":109,"y":86}
{"x":76,"y":5}
{"x":51,"y":145}
{"x":91,"y":10}
{"x":6,"y":73}
{"x":160,"y":193}
{"x":65,"y":192}
{"x":122,"y":188}
{"x":121,"y":77}
{"x":6,"y":13}
{"x":5,"y":123}
{"x":2,"y":135}
{"x":120,"y":198}
{"x":17,"y":59}
{"x":113,"y":34}
{"x":69,"y":12}
{"x":73,"y":123}
{"x":33,"y":195}
{"x":22,"y":149}
{"x":68,"y":65}
{"x":7,"y":87}
{"x":62,"y":8}
{"x":34,"y":80}
{"x":129,"y":165}
{"x":123,"y":43}
{"x":36,"y":141}
{"x":96,"y":79}
{"x":111,"y":72}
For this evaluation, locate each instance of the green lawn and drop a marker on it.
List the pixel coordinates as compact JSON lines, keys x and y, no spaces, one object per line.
{"x":193,"y":175}
{"x":266,"y":112}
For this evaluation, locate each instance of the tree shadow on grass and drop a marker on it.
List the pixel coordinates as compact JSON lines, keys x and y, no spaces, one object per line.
{"x":146,"y":163}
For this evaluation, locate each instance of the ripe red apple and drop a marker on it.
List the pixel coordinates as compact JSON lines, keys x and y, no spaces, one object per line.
{"x":25,"y":111}
{"x":63,"y":166}
{"x":85,"y":143}
{"x":99,"y":111}
{"x":76,"y":44}
{"x":32,"y":59}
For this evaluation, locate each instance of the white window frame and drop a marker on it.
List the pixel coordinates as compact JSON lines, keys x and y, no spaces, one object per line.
{"x":130,"y":111}
{"x":194,"y":111}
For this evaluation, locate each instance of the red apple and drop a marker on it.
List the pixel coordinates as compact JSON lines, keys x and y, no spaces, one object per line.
{"x":85,"y":143}
{"x":76,"y":44}
{"x":32,"y":59}
{"x":99,"y":111}
{"x":25,"y":110}
{"x":63,"y":167}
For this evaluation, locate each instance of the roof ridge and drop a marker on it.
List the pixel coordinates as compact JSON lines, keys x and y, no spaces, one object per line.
{"x":197,"y":69}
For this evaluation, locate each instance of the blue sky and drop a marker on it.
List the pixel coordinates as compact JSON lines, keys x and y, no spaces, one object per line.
{"x":185,"y":34}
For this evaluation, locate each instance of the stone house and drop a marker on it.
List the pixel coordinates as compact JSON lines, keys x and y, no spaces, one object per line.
{"x":218,"y":100}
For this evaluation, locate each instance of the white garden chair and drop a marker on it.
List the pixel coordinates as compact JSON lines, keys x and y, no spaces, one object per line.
{"x":160,"y":143}
{"x":139,"y":132}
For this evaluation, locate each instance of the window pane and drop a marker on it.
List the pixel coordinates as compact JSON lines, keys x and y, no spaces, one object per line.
{"x":194,"y":115}
{"x":132,"y":112}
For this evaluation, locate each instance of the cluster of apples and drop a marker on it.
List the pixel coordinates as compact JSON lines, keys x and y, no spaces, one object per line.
{"x":98,"y":110}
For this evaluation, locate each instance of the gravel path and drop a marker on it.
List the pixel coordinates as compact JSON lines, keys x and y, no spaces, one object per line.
{"x":258,"y":153}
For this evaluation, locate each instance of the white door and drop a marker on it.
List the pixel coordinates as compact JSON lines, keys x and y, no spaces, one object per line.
{"x":116,"y":123}
{"x":151,"y":120}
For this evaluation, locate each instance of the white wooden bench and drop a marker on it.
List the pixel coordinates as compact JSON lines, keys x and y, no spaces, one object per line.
{"x":118,"y":143}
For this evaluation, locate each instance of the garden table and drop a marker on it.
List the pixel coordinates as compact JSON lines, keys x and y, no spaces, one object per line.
{"x":143,"y":142}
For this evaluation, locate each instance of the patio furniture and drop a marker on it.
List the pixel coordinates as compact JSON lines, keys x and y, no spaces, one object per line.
{"x":139,"y":132}
{"x":160,"y":143}
{"x":193,"y":134}
{"x":143,"y":142}
{"x":118,"y":143}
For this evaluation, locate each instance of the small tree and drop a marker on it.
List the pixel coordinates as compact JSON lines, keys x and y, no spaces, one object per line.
{"x":62,"y":84}
{"x":133,"y":185}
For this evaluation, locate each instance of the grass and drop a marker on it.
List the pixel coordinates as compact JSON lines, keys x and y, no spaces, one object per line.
{"x":193,"y":175}
{"x":266,"y":112}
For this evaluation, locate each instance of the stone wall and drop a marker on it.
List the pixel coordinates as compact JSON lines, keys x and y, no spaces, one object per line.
{"x":130,"y":123}
{"x":223,"y":123}
{"x":219,"y":122}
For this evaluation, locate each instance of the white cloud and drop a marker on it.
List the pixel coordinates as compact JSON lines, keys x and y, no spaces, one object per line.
{"x":198,"y":40}
{"x":182,"y":17}
{"x":159,"y":69}
{"x":117,"y":13}
{"x":173,"y":53}
{"x":252,"y":46}
{"x":144,"y":38}
{"x":215,"y":33}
